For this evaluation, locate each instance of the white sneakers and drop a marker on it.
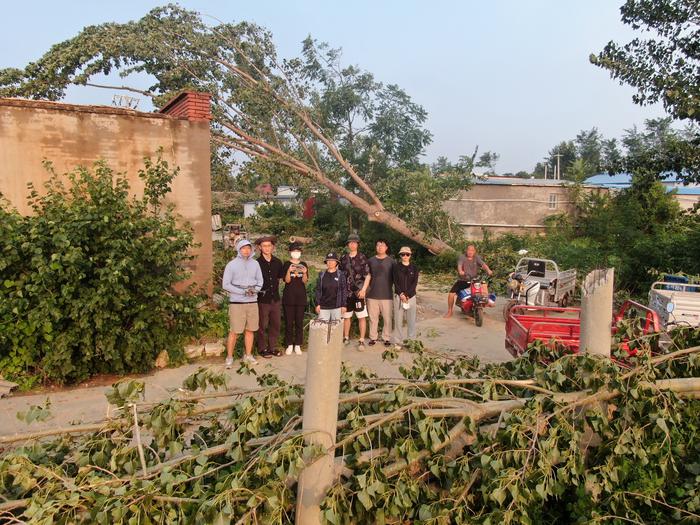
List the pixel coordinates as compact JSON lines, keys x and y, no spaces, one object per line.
{"x":229,"y":362}
{"x":293,"y":348}
{"x":250,"y":359}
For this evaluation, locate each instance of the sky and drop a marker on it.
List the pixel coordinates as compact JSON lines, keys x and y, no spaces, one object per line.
{"x":511,"y":76}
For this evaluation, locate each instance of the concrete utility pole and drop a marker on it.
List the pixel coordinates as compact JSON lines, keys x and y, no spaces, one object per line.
{"x":320,"y":416}
{"x":596,"y":312}
{"x":558,"y":169}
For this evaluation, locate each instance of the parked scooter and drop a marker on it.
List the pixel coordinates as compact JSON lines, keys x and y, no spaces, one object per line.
{"x":474,"y":298}
{"x":522,"y":290}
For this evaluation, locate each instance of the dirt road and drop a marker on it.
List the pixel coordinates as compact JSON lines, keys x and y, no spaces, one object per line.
{"x":83,"y":404}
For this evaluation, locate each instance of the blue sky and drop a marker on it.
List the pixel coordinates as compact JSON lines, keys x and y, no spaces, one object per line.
{"x":511,"y":76}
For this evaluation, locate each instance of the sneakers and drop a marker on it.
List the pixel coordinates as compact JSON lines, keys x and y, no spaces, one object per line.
{"x":361,"y":345}
{"x":372,"y":342}
{"x":289,"y":350}
{"x":250,"y":359}
{"x":346,"y":340}
{"x":229,"y":362}
{"x":267,"y":354}
{"x":387,"y":343}
{"x":297,"y":349}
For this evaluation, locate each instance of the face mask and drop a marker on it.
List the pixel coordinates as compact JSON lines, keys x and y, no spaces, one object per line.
{"x":295,"y":255}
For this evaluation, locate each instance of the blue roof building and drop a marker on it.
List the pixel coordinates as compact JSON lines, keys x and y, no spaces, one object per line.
{"x":686,"y":195}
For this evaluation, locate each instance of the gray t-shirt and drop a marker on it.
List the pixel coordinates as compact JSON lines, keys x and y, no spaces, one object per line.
{"x":382,"y":278}
{"x":470,"y":268}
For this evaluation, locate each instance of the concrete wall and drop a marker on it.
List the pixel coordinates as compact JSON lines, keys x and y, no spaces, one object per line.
{"x":503,"y":208}
{"x":69,"y":136}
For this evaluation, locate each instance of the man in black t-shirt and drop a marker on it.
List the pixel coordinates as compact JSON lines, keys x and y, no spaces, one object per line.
{"x":380,"y":295}
{"x":269,"y":307}
{"x":356,"y":268}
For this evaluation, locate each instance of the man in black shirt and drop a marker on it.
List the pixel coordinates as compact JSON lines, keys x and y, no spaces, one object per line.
{"x":269,"y":308}
{"x":379,"y":295}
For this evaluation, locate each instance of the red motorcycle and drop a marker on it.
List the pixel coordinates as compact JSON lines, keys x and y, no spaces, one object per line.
{"x":474,"y":298}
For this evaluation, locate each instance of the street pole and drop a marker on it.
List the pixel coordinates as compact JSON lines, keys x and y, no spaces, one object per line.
{"x":596,"y":312}
{"x":320,"y":417}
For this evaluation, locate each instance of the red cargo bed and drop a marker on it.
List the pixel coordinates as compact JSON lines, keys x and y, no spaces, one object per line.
{"x":527,"y":324}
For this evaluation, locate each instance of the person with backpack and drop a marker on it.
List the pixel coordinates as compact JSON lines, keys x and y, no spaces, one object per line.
{"x":356,"y":268}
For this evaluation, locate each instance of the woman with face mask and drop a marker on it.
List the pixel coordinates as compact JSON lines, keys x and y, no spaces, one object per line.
{"x":295,"y":273}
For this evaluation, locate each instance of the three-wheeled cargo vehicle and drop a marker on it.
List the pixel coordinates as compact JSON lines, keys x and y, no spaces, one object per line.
{"x":527,"y":324}
{"x":676,"y":301}
{"x":539,"y":282}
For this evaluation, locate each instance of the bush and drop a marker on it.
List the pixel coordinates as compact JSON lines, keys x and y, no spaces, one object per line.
{"x":87,"y":280}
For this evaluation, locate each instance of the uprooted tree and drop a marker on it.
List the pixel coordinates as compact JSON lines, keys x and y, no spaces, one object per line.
{"x":314,"y":119}
{"x":546,"y":438}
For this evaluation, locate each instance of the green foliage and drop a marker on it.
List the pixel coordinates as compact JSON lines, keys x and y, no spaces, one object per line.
{"x":87,"y":278}
{"x":125,"y":392}
{"x":36,"y":413}
{"x":584,"y":440}
{"x":204,"y":378}
{"x":663,"y":65}
{"x":278,"y":219}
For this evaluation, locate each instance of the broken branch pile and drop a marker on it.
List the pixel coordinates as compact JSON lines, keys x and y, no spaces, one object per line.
{"x":542,"y":439}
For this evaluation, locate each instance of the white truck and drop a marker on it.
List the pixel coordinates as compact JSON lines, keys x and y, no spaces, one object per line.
{"x":676,"y":303}
{"x":540,"y":282}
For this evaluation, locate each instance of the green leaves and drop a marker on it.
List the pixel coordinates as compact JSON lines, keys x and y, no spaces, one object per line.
{"x":125,"y":391}
{"x":204,"y":378}
{"x":36,"y":413}
{"x":87,"y":279}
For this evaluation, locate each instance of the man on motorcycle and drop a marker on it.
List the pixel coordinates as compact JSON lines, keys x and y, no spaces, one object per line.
{"x":468,"y":266}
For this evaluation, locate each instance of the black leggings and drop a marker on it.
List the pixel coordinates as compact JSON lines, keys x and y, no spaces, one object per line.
{"x":294,"y":324}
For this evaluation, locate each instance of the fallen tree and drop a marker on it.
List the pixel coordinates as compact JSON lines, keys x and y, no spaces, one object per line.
{"x":542,"y":439}
{"x":310,"y":121}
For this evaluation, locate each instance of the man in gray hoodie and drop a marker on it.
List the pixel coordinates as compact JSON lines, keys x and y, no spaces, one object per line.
{"x":243,"y":280}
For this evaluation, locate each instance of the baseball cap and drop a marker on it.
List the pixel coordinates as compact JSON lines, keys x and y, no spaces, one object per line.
{"x":332,"y":256}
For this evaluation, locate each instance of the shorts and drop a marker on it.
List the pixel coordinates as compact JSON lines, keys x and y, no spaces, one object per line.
{"x":329,"y":314}
{"x":243,"y":317}
{"x":351,"y":308}
{"x":459,"y":285}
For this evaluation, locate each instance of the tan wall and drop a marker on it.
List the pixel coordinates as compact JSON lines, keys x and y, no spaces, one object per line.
{"x":69,"y":136}
{"x":503,"y":208}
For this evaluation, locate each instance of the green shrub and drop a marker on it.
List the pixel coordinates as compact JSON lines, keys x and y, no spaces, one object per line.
{"x":86,"y":282}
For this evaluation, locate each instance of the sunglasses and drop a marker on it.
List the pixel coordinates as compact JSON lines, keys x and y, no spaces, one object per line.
{"x":404,"y":255}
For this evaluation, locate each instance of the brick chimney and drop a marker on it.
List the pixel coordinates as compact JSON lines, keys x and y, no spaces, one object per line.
{"x":191,"y":105}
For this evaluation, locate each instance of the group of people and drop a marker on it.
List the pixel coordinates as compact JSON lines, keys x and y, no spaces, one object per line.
{"x":376,"y":288}
{"x":351,"y":286}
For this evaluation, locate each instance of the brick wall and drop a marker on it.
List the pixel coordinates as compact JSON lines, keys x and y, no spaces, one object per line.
{"x":72,"y":135}
{"x":190,"y":105}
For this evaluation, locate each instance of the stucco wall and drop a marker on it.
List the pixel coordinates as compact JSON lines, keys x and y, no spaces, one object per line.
{"x":69,"y":136}
{"x":503,"y":208}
